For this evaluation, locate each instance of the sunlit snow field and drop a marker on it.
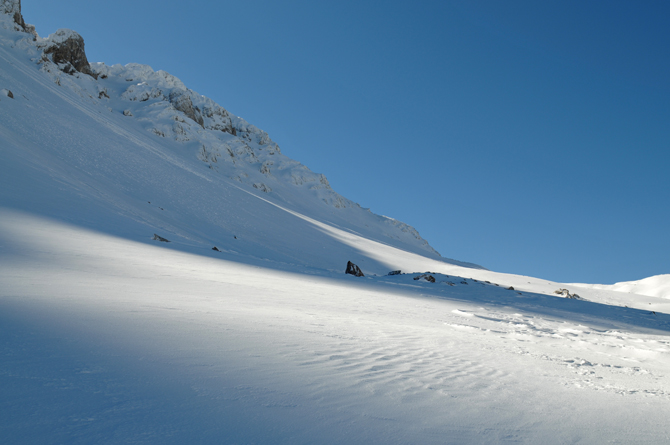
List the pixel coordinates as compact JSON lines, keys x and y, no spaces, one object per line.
{"x":109,"y":340}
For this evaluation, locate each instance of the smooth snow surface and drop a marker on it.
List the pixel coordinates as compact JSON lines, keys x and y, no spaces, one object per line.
{"x":656,"y":286}
{"x":110,"y":336}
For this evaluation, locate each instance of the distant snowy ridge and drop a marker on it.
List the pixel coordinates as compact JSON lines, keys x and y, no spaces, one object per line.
{"x":655,"y":286}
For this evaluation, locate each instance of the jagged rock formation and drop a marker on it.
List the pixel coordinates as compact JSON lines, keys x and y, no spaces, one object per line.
{"x":354,"y":270}
{"x":160,"y":238}
{"x":566,"y":293}
{"x":182,"y":102}
{"x":425,"y":276}
{"x":66,"y":48}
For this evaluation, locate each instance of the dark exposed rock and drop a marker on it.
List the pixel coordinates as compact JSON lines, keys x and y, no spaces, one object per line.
{"x":159,"y":238}
{"x":262,"y":187}
{"x":566,"y":293}
{"x":395,"y":272}
{"x":7,"y":93}
{"x":216,"y":248}
{"x":510,"y":288}
{"x":425,"y":276}
{"x":182,"y":102}
{"x":354,"y":270}
{"x":66,"y":48}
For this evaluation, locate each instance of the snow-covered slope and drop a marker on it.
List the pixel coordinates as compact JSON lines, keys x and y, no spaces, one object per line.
{"x":656,"y":286}
{"x":110,"y":336}
{"x":141,"y":149}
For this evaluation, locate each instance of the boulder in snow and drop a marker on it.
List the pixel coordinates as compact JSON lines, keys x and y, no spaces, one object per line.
{"x":262,"y":187}
{"x":425,"y":276}
{"x":159,"y":238}
{"x":7,"y":93}
{"x":354,"y":270}
{"x":395,"y":272}
{"x":566,"y":293}
{"x":66,"y":48}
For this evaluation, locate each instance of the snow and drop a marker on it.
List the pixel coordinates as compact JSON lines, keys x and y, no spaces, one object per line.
{"x":108,"y":336}
{"x":106,"y":339}
{"x":60,"y":36}
{"x":656,"y":286}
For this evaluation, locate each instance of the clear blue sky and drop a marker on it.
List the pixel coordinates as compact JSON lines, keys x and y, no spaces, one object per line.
{"x":529,"y":137}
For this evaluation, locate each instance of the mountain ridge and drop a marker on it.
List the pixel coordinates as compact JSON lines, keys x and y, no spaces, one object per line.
{"x":196,"y":133}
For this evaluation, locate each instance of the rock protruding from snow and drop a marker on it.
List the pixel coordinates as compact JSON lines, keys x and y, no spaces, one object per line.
{"x":354,"y":270}
{"x":66,"y":48}
{"x":425,"y":276}
{"x":8,"y":93}
{"x":160,"y":238}
{"x":566,"y":293}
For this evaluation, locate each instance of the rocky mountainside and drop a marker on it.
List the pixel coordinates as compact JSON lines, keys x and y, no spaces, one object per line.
{"x":103,"y":122}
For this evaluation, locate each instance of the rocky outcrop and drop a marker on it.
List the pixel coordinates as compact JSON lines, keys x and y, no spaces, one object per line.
{"x":66,"y":49}
{"x":13,"y":8}
{"x":262,"y":187}
{"x":160,"y":238}
{"x":182,"y":102}
{"x":425,"y":276}
{"x":566,"y":293}
{"x":395,"y":272}
{"x":354,"y":270}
